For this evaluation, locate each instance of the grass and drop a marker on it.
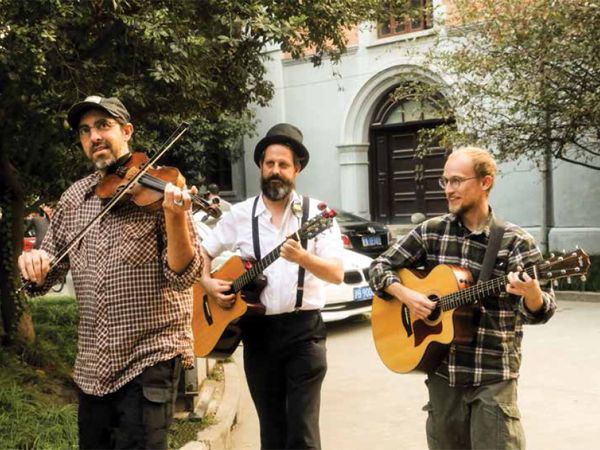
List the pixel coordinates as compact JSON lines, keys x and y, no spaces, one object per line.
{"x":37,"y":399}
{"x":184,"y":431}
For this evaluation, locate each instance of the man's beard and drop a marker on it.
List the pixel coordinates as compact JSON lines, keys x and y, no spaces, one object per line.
{"x":460,"y":210}
{"x":104,"y":163}
{"x":276,"y":191}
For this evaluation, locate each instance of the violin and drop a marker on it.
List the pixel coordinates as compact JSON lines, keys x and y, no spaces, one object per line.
{"x":149,"y":189}
{"x":121,"y":190}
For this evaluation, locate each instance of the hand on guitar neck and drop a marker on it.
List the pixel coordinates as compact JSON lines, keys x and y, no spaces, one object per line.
{"x":521,"y":284}
{"x":418,"y":304}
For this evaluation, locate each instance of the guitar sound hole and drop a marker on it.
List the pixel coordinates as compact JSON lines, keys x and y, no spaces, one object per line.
{"x":435,"y":314}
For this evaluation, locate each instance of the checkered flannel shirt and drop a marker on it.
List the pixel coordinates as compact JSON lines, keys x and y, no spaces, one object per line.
{"x":495,"y":353}
{"x":134,"y":310}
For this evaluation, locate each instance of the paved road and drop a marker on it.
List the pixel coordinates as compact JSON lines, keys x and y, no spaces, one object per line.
{"x":365,"y":406}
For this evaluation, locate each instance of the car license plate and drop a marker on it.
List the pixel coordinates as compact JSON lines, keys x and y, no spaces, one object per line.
{"x":363,"y":293}
{"x":371,"y":241}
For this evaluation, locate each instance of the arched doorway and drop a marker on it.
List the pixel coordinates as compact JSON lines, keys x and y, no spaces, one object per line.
{"x":402,"y":182}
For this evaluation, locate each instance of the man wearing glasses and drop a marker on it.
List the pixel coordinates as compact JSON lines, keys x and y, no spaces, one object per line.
{"x":133,"y":274}
{"x":473,"y":392}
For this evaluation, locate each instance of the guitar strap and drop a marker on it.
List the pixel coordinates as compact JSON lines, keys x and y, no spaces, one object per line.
{"x":491,"y":252}
{"x":303,"y":243}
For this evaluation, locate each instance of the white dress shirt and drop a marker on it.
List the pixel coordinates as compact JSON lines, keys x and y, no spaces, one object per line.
{"x":234,"y":233}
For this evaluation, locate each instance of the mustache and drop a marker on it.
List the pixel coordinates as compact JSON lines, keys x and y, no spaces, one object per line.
{"x":275,"y":177}
{"x":99,"y":145}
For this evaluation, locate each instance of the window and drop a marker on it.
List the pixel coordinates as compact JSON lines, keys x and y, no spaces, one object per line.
{"x":420,"y":18}
{"x":219,"y":171}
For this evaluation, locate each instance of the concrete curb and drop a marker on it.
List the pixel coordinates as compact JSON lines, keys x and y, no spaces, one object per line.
{"x":218,"y":436}
{"x":577,"y":296}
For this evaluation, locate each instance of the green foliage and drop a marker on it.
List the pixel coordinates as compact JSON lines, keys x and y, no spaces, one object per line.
{"x":525,"y":77}
{"x":184,"y":431}
{"x":37,"y":407}
{"x":168,"y":60}
{"x":27,"y":424}
{"x":56,"y":320}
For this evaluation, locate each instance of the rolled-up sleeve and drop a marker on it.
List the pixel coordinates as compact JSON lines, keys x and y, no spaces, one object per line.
{"x":184,"y":280}
{"x":403,"y":253}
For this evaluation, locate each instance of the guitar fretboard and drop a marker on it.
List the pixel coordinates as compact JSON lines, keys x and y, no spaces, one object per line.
{"x":478,"y":291}
{"x":239,"y":283}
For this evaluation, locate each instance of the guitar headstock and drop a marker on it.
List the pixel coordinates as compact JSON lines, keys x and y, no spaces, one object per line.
{"x":318,"y":223}
{"x":575,"y":263}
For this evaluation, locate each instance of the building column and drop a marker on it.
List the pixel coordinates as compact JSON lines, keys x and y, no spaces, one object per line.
{"x":354,"y":178}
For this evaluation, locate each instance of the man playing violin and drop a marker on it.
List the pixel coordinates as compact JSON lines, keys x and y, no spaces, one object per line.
{"x":284,"y":350}
{"x":132,"y":273}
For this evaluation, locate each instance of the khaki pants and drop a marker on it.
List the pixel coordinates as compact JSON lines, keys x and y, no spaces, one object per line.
{"x":484,"y":417}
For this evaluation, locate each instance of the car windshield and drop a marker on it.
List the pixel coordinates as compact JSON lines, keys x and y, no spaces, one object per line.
{"x":346,"y":217}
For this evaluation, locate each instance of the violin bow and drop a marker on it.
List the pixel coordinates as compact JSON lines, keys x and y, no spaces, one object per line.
{"x":179,"y":131}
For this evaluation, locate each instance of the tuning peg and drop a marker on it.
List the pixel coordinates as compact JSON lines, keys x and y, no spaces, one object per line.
{"x":332,"y":213}
{"x":583,"y":278}
{"x":555,"y":282}
{"x":568,"y":280}
{"x":552,"y":255}
{"x":322,"y":206}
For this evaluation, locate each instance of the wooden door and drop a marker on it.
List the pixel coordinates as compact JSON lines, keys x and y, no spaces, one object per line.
{"x":401,"y":182}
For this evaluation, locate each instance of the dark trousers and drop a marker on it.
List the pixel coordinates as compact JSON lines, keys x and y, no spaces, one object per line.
{"x":137,"y":416}
{"x":285,"y":364}
{"x":484,"y":417}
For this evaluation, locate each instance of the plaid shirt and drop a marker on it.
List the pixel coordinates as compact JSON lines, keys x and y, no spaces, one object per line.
{"x":495,"y":353}
{"x":134,"y":311}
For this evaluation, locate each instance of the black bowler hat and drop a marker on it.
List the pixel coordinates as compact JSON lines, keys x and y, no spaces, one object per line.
{"x":111,"y":105}
{"x":283,"y":133}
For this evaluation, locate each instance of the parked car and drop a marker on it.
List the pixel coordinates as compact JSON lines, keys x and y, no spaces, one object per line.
{"x":362,"y":235}
{"x":352,"y":297}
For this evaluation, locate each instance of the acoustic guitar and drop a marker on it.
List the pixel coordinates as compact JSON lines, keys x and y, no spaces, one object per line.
{"x":216,"y":330}
{"x":407,"y":344}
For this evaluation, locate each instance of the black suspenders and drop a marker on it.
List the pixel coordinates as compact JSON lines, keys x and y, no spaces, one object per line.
{"x":303,"y":243}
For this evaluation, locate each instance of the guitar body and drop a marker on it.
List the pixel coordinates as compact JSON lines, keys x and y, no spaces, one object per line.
{"x":216,"y":330}
{"x":405,"y":344}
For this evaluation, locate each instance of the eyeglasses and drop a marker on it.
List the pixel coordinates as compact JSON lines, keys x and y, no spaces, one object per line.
{"x":100,"y":125}
{"x":454,"y":182}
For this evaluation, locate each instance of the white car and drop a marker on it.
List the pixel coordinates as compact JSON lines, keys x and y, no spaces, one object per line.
{"x":352,"y":297}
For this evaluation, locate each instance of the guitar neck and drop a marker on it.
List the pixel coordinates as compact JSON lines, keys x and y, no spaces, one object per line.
{"x":258,"y":268}
{"x":478,"y":291}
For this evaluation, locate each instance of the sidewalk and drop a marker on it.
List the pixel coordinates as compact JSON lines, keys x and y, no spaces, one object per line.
{"x":218,"y":436}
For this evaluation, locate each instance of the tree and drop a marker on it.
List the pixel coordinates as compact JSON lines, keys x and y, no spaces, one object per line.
{"x":169,"y":60}
{"x":525,"y":77}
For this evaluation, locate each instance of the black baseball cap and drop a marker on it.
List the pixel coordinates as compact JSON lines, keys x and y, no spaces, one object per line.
{"x":111,"y":105}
